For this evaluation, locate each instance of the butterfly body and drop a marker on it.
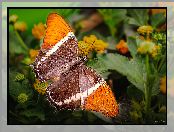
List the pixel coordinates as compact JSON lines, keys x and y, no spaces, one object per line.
{"x":73,"y":84}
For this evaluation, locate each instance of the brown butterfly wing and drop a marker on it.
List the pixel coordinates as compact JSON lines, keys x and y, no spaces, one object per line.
{"x":58,"y":52}
{"x":82,"y":87}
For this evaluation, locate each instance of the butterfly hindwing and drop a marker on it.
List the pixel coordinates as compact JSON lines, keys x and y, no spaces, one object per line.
{"x":62,"y":92}
{"x":82,"y":87}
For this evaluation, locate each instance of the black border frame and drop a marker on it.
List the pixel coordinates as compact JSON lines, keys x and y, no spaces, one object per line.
{"x":8,"y":8}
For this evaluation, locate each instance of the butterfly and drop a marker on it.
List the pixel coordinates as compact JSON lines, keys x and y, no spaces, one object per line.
{"x":73,"y":84}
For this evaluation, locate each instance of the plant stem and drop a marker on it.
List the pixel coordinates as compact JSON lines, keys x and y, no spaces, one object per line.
{"x":21,"y":41}
{"x":147,"y":88}
{"x":162,"y":62}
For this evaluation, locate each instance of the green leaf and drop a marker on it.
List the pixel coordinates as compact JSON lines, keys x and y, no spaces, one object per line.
{"x":157,"y":19}
{"x":154,"y":80}
{"x":102,"y":117}
{"x":14,"y":44}
{"x":132,"y":45}
{"x":16,"y":88}
{"x":112,"y":43}
{"x":113,"y":17}
{"x":99,"y":67}
{"x":34,"y":113}
{"x":95,"y":64}
{"x":133,"y":69}
{"x":138,"y":17}
{"x":134,"y":93}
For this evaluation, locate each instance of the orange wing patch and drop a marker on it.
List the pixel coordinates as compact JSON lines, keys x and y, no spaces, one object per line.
{"x":57,"y":29}
{"x":102,"y":100}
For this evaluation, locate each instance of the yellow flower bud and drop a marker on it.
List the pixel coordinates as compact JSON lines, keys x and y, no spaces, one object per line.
{"x":38,"y":31}
{"x":20,"y":26}
{"x":100,"y":46}
{"x":40,"y":87}
{"x":145,"y":30}
{"x":13,"y":18}
{"x":90,"y":40}
{"x":22,"y":98}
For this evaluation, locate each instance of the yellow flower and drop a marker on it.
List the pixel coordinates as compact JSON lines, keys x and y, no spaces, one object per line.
{"x":22,"y":98}
{"x":13,"y":18}
{"x":20,"y":26}
{"x":33,"y":53}
{"x":84,"y":48}
{"x":155,"y":51}
{"x":100,"y":46}
{"x":90,"y":40}
{"x":122,"y":47}
{"x":40,"y":87}
{"x":145,"y":30}
{"x":163,"y":85}
{"x":146,"y":47}
{"x":38,"y":31}
{"x":90,"y":44}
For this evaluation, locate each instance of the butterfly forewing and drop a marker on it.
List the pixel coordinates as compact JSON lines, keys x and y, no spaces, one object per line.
{"x":58,"y":53}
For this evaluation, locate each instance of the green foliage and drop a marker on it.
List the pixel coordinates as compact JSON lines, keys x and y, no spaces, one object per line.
{"x":112,"y":18}
{"x":159,"y":37}
{"x":99,"y":67}
{"x":138,"y":17}
{"x":16,"y":87}
{"x":14,"y":43}
{"x":33,"y":114}
{"x":137,"y":111}
{"x":133,"y":69}
{"x":132,"y":45}
{"x":134,"y":93}
{"x":158,"y":19}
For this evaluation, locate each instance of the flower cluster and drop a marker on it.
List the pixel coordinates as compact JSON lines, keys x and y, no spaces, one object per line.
{"x":145,"y":30}
{"x":122,"y":47}
{"x":22,"y":98}
{"x":40,"y":87}
{"x":90,"y":44}
{"x":157,"y":36}
{"x":19,"y":77}
{"x":148,"y":47}
{"x":38,"y":31}
{"x":18,"y":25}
